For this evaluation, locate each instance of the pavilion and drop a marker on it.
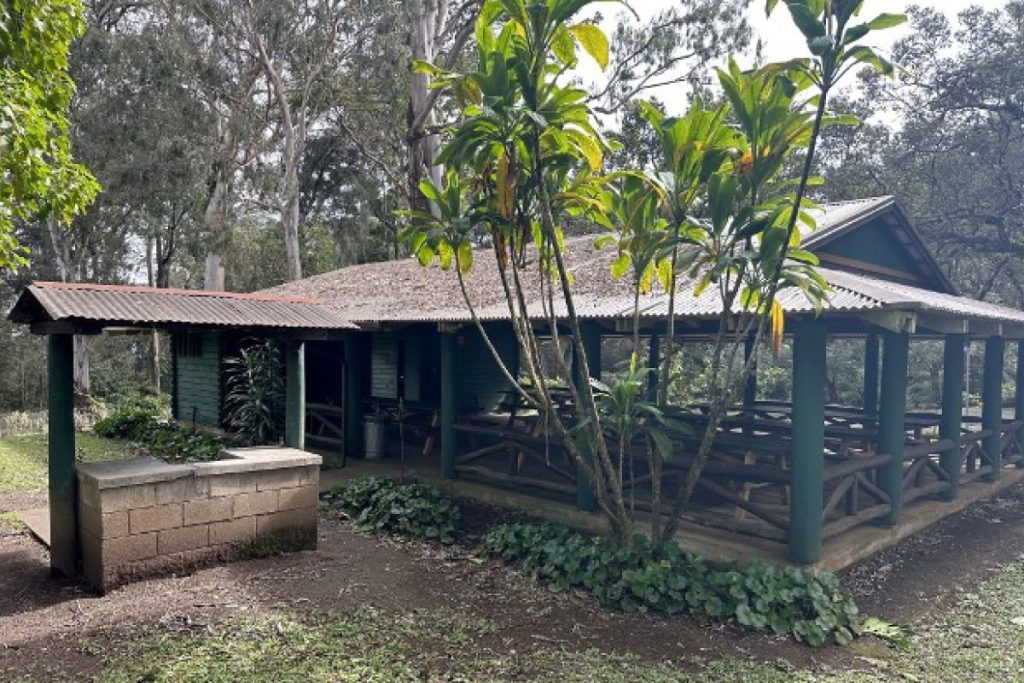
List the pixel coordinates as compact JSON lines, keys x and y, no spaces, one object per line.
{"x":394,"y":341}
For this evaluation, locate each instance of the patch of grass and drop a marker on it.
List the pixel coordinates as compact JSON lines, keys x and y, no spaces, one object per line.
{"x":23,"y":458}
{"x":365,"y":645}
{"x":9,"y":521}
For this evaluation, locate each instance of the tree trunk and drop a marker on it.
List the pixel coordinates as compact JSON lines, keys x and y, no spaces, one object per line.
{"x":152,"y":277}
{"x":424,"y":143}
{"x":66,"y":270}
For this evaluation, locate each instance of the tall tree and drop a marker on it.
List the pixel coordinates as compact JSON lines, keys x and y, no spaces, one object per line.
{"x":38,"y":178}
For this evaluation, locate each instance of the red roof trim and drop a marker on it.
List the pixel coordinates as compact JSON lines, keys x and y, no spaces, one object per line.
{"x":136,"y":289}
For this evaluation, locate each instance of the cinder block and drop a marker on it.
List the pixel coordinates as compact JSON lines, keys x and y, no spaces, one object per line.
{"x":255,"y":503}
{"x":103,"y":525}
{"x":230,"y":484}
{"x":185,"y":538}
{"x":207,"y":510}
{"x":155,"y":518}
{"x":287,"y":522}
{"x":92,"y":560}
{"x":233,"y":531}
{"x":127,"y":498}
{"x":301,"y":497}
{"x":280,"y":479}
{"x":179,"y":490}
{"x":120,"y":551}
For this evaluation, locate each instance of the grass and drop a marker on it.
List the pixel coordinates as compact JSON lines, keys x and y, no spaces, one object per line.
{"x":979,"y":637}
{"x":23,"y":458}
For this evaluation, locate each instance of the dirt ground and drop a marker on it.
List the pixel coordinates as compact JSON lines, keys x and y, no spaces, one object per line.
{"x":43,"y":621}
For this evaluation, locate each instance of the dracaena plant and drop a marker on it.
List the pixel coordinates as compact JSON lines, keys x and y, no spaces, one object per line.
{"x":719,"y":214}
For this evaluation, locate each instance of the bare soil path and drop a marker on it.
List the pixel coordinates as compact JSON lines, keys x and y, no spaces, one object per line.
{"x":44,"y":623}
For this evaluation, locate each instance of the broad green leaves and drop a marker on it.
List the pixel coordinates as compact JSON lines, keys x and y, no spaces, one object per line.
{"x":38,"y":177}
{"x":593,"y":40}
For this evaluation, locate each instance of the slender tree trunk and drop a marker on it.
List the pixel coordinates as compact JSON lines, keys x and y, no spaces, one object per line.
{"x":424,"y":143}
{"x":154,"y":356}
{"x":213,"y":221}
{"x":66,"y":271}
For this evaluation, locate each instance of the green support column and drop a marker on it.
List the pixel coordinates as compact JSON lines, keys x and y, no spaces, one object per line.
{"x":952,"y":407}
{"x":295,"y":395}
{"x":871,"y":374}
{"x":63,"y":484}
{"x":354,"y":372}
{"x":750,"y":388}
{"x":653,"y":361}
{"x":449,"y":406}
{"x":1018,"y":391}
{"x":807,"y":460}
{"x":992,"y":403}
{"x":592,"y":346}
{"x":892,"y":416}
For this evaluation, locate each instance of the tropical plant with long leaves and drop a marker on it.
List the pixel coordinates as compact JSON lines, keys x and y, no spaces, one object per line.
{"x":720,"y":217}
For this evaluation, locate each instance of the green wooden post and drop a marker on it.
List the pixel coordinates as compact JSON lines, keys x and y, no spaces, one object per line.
{"x":449,"y":405}
{"x":870,"y":400}
{"x":591,"y":334}
{"x":892,"y":416}
{"x":992,"y":403}
{"x":354,"y":372}
{"x":750,"y":388}
{"x":63,"y":484}
{"x":295,"y":394}
{"x":808,"y":456}
{"x":653,"y":361}
{"x":1018,"y":391}
{"x":952,"y":408}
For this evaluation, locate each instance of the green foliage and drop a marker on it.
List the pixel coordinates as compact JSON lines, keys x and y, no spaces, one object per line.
{"x":38,"y":178}
{"x":809,"y":606}
{"x":143,"y":423}
{"x":383,"y":505}
{"x":254,"y":403}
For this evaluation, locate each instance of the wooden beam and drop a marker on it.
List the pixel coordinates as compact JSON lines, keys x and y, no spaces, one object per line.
{"x":59,"y":327}
{"x":943,"y":324}
{"x":985,"y":328}
{"x":952,"y":407}
{"x":992,"y":402}
{"x":295,"y":395}
{"x":870,"y":399}
{"x":354,"y":373}
{"x":892,"y":418}
{"x":808,"y":451}
{"x":898,"y":322}
{"x":449,"y":405}
{"x":63,"y":485}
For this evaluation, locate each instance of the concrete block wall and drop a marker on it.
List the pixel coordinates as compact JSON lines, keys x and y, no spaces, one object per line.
{"x":144,"y":517}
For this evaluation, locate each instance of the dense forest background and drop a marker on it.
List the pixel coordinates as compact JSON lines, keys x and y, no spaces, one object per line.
{"x":243,"y":144}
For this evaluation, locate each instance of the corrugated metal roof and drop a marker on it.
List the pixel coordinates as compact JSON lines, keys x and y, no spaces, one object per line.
{"x":147,"y":306}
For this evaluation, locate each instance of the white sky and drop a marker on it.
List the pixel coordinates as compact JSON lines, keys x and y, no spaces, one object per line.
{"x":780,"y":39}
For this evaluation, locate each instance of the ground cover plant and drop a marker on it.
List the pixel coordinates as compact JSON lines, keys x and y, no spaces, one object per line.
{"x":143,"y":421}
{"x":810,"y":606}
{"x":411,"y":509}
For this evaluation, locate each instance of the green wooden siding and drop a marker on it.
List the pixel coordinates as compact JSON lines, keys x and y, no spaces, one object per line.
{"x":874,"y":243}
{"x":199,"y":383}
{"x":480,"y":384}
{"x":384,"y":366}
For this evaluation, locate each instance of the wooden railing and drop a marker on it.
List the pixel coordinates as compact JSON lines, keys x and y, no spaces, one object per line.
{"x":325,"y":428}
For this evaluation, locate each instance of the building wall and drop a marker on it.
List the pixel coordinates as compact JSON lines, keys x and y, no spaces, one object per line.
{"x":198,"y":381}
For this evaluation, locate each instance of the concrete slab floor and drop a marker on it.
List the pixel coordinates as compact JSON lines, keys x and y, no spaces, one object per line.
{"x":717,"y":545}
{"x":38,"y":522}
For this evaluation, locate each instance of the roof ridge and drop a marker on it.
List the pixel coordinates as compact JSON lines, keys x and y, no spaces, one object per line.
{"x":171,"y":291}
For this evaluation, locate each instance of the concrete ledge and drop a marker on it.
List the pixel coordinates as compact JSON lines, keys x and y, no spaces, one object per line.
{"x":144,"y":517}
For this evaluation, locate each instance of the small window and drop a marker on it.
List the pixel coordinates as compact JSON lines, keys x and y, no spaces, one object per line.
{"x":188,"y":345}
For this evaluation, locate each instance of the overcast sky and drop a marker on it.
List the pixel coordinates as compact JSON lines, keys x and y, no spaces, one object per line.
{"x":780,"y":39}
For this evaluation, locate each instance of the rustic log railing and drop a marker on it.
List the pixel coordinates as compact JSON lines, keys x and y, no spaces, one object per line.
{"x":325,"y":428}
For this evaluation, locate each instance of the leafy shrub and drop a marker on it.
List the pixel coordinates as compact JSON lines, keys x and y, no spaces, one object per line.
{"x":383,"y":505}
{"x":144,"y":422}
{"x":758,"y":595}
{"x":254,"y":401}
